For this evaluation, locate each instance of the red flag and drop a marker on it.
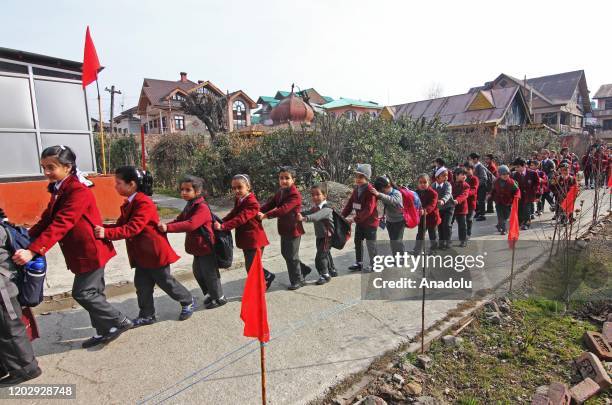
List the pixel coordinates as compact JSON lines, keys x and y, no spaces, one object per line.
{"x":253,"y":311}
{"x":610,"y":179}
{"x":513,"y":231}
{"x":567,"y":204}
{"x":91,"y":64}
{"x":29,"y":321}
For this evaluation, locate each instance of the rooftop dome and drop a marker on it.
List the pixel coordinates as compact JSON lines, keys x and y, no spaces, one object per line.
{"x":292,"y":109}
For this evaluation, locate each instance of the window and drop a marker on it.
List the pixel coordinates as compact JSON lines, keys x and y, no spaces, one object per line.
{"x":178,"y":97}
{"x":15,"y":105}
{"x":350,"y":115}
{"x":549,"y":118}
{"x":608,"y":104}
{"x":164,"y":126}
{"x":179,"y":122}
{"x":503,"y":83}
{"x":70,"y":114}
{"x":607,"y":125}
{"x":203,"y":90}
{"x":239,"y":114}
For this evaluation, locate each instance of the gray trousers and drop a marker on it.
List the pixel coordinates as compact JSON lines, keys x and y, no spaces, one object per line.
{"x":323,"y":259}
{"x":290,"y":249}
{"x":249,"y":255}
{"x":369,"y":235}
{"x":88,"y":291}
{"x":145,"y":281}
{"x":16,"y":353}
{"x":503,"y":213}
{"x":396,"y":236}
{"x":206,"y":273}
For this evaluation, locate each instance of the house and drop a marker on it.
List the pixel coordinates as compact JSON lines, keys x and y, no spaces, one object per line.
{"x":559,"y":101}
{"x":128,"y":122}
{"x":267,"y":103}
{"x":494,"y":109}
{"x":603,"y":112}
{"x":160,"y":106}
{"x":352,"y":109}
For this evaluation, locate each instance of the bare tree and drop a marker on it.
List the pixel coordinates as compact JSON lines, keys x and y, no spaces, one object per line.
{"x":210,"y":109}
{"x":435,"y":90}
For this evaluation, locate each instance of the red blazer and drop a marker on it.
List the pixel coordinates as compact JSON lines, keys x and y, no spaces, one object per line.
{"x":250,"y":233}
{"x":503,"y":191}
{"x":473,"y":183}
{"x":366,"y":213}
{"x":560,"y":186}
{"x":285,"y":205}
{"x":429,"y":202}
{"x":492,"y":168}
{"x":543,"y":182}
{"x":147,"y":247}
{"x":529,"y":184}
{"x":461,"y":192}
{"x":69,"y":219}
{"x":191,"y":221}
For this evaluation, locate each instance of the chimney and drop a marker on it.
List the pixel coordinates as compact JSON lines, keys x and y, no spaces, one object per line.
{"x":183,"y":77}
{"x":200,"y":81}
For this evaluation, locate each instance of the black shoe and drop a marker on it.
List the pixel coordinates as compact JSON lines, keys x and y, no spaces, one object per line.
{"x":325,"y":278}
{"x":269,"y":280}
{"x":305,"y":270}
{"x":482,"y":218}
{"x":295,"y":286}
{"x":144,"y":321}
{"x":187,"y":310}
{"x":524,"y":227}
{"x":463,"y":243}
{"x":216,"y":303}
{"x":92,"y":341}
{"x":20,"y":378}
{"x":333,"y":273}
{"x":114,"y":333}
{"x":355,"y":267}
{"x":207,"y":300}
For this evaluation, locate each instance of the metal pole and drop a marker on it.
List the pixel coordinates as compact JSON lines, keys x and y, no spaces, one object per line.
{"x":262,"y":353}
{"x":101,"y":123}
{"x":512,"y":265}
{"x":423,"y":221}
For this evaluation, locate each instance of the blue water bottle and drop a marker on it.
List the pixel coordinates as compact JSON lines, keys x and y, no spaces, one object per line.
{"x":36,"y":265}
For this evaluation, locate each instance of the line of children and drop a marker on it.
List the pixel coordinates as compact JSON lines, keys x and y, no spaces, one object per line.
{"x":321,"y":215}
{"x":196,"y":221}
{"x":149,"y":251}
{"x":393,"y":216}
{"x":285,"y":205}
{"x":363,"y":203}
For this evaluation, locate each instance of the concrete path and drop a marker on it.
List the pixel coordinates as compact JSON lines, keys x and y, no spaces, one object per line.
{"x":320,"y":335}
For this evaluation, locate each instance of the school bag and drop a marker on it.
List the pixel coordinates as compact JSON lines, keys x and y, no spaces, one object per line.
{"x":30,"y":278}
{"x":410,"y":208}
{"x":341,"y":231}
{"x":223,"y":248}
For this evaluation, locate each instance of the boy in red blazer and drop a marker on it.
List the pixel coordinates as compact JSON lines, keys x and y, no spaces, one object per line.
{"x":250,"y":234}
{"x":461,"y":191}
{"x":69,"y":220}
{"x":429,"y":210}
{"x":492,"y":166}
{"x":148,"y":249}
{"x":195,"y":218}
{"x":529,"y":184}
{"x":503,"y":192}
{"x":363,"y":203}
{"x":561,"y":186}
{"x":285,"y":205}
{"x":473,"y":182}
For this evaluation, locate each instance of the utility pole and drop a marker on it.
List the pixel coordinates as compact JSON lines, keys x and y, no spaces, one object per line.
{"x":112,"y":92}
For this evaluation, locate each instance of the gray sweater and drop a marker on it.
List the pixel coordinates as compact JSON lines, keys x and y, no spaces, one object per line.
{"x":445,"y":195}
{"x":394,"y":205}
{"x":321,"y":218}
{"x":6,"y":264}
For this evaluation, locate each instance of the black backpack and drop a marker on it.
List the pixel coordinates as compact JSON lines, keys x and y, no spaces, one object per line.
{"x":223,"y":248}
{"x":341,"y":231}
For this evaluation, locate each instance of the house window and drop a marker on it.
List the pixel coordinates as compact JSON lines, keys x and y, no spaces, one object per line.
{"x":503,"y":83}
{"x":164,"y":122}
{"x":350,"y":115}
{"x":239,"y":114}
{"x":179,"y":122}
{"x":608,"y":104}
{"x":203,"y":90}
{"x":607,"y":125}
{"x":549,"y":118}
{"x":178,"y":97}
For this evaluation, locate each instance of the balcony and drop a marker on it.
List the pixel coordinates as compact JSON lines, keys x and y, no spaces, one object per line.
{"x":602,"y":113}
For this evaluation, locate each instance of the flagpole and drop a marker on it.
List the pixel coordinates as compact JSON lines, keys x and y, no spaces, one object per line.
{"x":101,"y":128}
{"x":262,"y":352}
{"x":512,"y":266}
{"x":423,"y":219}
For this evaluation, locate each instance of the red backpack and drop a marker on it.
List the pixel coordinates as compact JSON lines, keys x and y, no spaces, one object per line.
{"x":411,"y":215}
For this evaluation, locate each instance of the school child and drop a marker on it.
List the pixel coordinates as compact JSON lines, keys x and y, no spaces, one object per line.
{"x":69,"y":219}
{"x":492,"y":167}
{"x":529,"y":184}
{"x":393,"y":217}
{"x":483,"y":175}
{"x":461,"y":191}
{"x":196,"y":217}
{"x":445,"y":206}
{"x":321,"y":215}
{"x":441,"y":163}
{"x":285,"y":205}
{"x":363,"y":203}
{"x":560,"y":186}
{"x":250,"y":234}
{"x":429,"y":209}
{"x":473,"y":182}
{"x":17,"y":361}
{"x":148,"y":249}
{"x":587,"y":168}
{"x":503,"y":192}
{"x":542,"y":189}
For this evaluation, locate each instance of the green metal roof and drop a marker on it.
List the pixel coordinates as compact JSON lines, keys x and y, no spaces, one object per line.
{"x":255,"y":119}
{"x":345,"y":102}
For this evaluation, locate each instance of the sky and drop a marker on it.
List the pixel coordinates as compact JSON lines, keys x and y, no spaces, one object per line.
{"x":386,"y":51}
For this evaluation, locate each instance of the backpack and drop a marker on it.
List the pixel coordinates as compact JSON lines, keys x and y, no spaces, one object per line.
{"x":410,"y":207}
{"x":30,"y":278}
{"x":489,"y":178}
{"x":341,"y":231}
{"x":223,"y":248}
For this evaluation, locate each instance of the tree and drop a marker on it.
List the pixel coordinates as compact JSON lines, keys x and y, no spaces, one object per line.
{"x":435,"y":90}
{"x":210,"y":109}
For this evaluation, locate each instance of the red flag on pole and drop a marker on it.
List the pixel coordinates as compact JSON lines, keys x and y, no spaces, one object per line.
{"x":513,"y":231}
{"x":253,"y":311}
{"x":567,"y":204}
{"x":91,"y":64}
{"x":610,"y":179}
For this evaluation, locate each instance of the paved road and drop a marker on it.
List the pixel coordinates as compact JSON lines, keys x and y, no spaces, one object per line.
{"x":320,"y":334}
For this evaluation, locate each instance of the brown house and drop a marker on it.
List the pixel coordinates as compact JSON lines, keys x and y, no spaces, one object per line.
{"x":603,"y":111}
{"x":160,"y":106}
